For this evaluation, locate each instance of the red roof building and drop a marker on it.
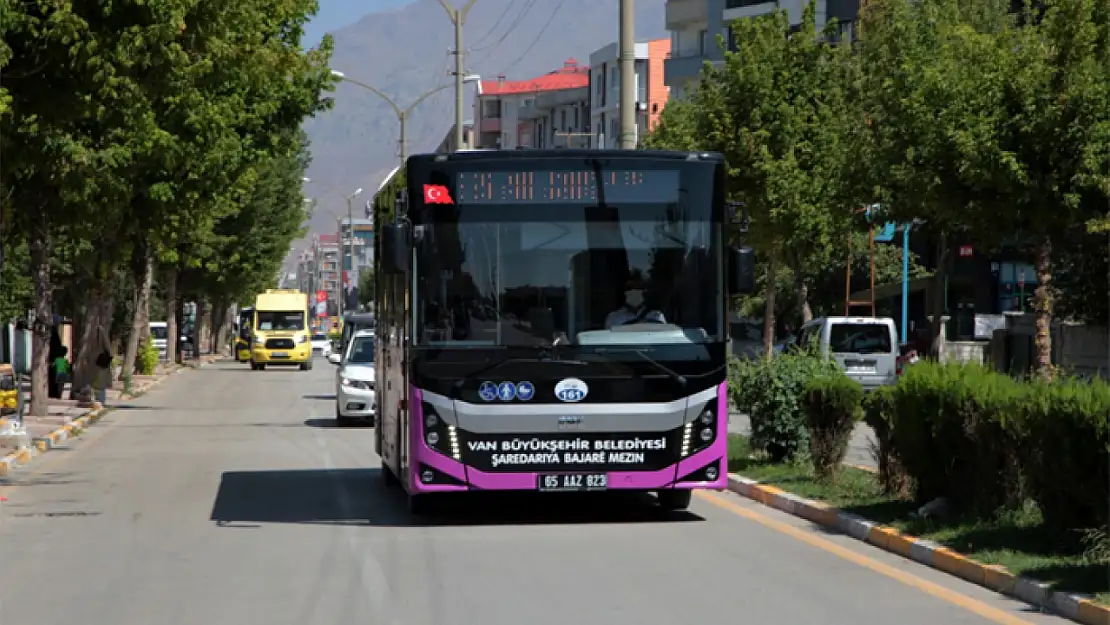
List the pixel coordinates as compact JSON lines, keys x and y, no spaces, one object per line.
{"x":511,"y":113}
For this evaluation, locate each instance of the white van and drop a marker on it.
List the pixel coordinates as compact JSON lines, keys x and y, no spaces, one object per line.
{"x":159,"y":334}
{"x":865,"y":347}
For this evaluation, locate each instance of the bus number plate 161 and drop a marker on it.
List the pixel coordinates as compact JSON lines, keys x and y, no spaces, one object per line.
{"x":572,"y":482}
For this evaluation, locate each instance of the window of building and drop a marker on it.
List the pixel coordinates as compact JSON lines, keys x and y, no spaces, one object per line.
{"x":491,"y":109}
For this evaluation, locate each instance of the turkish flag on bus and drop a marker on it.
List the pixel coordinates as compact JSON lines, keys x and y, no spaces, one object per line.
{"x":437,"y":194}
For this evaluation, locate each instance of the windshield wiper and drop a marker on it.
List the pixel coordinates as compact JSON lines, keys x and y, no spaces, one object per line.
{"x":674,"y":375}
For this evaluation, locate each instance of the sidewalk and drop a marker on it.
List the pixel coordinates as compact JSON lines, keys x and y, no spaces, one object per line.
{"x":67,"y":419}
{"x":859,"y":449}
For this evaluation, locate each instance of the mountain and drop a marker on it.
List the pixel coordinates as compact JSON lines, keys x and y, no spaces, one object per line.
{"x":404,"y":52}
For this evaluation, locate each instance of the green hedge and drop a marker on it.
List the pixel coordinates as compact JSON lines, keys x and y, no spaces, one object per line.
{"x":986,"y":441}
{"x":832,"y":405}
{"x":979,"y":438}
{"x":148,"y":358}
{"x":772,"y":392}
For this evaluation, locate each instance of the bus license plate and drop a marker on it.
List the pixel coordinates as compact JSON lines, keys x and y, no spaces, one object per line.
{"x":572,"y":482}
{"x":280,"y":354}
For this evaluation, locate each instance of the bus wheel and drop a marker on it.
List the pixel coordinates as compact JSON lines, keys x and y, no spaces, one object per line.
{"x":420,"y":505}
{"x":389,"y":477}
{"x":254,"y":366}
{"x":675,"y":499}
{"x":305,"y":366}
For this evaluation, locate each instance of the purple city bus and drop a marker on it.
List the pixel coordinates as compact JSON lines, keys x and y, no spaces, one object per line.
{"x":556,"y":320}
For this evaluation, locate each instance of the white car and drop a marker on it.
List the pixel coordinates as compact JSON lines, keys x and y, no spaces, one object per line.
{"x":354,"y":381}
{"x":321,"y":346}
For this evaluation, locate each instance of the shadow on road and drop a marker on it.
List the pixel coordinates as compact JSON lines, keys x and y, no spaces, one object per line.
{"x":329,"y":423}
{"x":319,"y":397}
{"x":360,"y":497}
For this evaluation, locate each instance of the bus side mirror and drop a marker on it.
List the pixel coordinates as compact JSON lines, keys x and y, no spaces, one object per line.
{"x":741,"y":271}
{"x":396,"y":252}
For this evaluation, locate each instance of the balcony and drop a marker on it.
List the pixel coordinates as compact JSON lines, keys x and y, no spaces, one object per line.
{"x":740,"y":9}
{"x":491,"y":124}
{"x":677,"y":70}
{"x":681,"y":14}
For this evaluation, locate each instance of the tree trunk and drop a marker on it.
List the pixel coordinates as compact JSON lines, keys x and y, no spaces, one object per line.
{"x":936,"y":344}
{"x":88,"y":343}
{"x":44,"y":318}
{"x":802,"y":291}
{"x":219,"y":322}
{"x":140,"y":301}
{"x":200,"y":330}
{"x":172,"y":332}
{"x":769,"y":311}
{"x":1043,"y":305}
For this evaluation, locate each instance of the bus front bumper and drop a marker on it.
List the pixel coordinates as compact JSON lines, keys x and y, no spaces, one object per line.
{"x":300,"y":354}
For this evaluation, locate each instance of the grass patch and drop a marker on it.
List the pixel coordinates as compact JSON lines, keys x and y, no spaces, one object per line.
{"x":1014,"y":539}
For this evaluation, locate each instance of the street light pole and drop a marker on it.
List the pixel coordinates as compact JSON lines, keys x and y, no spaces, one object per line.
{"x":403,"y":114}
{"x":350,"y":238}
{"x":458,"y":18}
{"x":628,"y":75}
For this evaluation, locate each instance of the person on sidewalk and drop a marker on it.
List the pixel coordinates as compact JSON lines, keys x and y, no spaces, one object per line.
{"x":57,"y":350}
{"x":102,"y":381}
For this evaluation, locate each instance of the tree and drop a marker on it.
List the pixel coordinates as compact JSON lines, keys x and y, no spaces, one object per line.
{"x":935,"y":72}
{"x":1056,"y":134}
{"x":779,"y":110}
{"x":366,"y":286}
{"x":65,"y":159}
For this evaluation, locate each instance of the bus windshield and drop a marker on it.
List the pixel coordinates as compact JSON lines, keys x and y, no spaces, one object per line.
{"x":269,"y":321}
{"x":639,"y":267}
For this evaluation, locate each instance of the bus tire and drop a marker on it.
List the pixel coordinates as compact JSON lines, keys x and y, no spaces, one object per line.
{"x":420,"y":505}
{"x":389,"y":477}
{"x":675,"y":499}
{"x":305,"y":366}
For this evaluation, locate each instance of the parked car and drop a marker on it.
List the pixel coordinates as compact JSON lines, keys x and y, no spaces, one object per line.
{"x":865,"y":347}
{"x":355,"y":399}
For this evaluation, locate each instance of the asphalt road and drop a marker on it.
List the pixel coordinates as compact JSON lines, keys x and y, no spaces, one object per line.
{"x":227,"y":497}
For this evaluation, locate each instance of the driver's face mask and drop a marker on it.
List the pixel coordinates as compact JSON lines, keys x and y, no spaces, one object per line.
{"x":634,"y":298}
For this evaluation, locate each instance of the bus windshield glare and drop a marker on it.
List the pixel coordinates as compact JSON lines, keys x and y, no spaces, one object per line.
{"x":558,"y":260}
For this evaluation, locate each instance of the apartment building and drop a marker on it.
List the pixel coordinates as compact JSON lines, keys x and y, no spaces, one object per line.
{"x":695,"y":24}
{"x":546,"y":111}
{"x":325,"y":253}
{"x":605,"y":89}
{"x":362,"y":246}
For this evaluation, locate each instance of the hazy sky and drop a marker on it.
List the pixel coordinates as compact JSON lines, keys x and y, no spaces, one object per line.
{"x":335,"y":14}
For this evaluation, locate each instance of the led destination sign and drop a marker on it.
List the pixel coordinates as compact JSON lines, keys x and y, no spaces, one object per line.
{"x":563,"y":186}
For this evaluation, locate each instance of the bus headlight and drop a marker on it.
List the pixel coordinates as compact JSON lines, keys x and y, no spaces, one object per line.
{"x":300,"y":339}
{"x":440,"y":436}
{"x":258,"y":340}
{"x":701,"y":432}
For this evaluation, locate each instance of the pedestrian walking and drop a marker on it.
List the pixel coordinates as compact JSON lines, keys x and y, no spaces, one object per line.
{"x":102,"y":381}
{"x":57,"y":350}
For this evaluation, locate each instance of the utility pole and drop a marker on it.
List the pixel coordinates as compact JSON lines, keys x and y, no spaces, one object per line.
{"x":339,"y":265}
{"x":628,"y":75}
{"x":458,"y":18}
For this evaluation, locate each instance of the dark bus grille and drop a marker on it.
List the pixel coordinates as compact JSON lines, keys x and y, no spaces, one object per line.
{"x":279,"y":344}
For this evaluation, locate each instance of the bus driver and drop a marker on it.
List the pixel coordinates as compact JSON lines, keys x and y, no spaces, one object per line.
{"x":634,"y":310}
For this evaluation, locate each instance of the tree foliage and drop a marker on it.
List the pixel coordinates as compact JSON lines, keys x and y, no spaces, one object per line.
{"x":176,"y":148}
{"x":972,"y":118}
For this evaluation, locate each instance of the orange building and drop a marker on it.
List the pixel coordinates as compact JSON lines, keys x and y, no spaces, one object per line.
{"x":605,"y":81}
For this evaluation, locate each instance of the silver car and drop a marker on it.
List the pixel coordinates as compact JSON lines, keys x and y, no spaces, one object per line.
{"x":354,"y":381}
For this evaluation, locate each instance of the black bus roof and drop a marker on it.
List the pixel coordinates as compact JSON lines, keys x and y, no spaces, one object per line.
{"x":484,"y":155}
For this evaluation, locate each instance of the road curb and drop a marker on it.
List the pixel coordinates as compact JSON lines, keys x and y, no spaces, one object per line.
{"x":993,"y":577}
{"x":10,"y":461}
